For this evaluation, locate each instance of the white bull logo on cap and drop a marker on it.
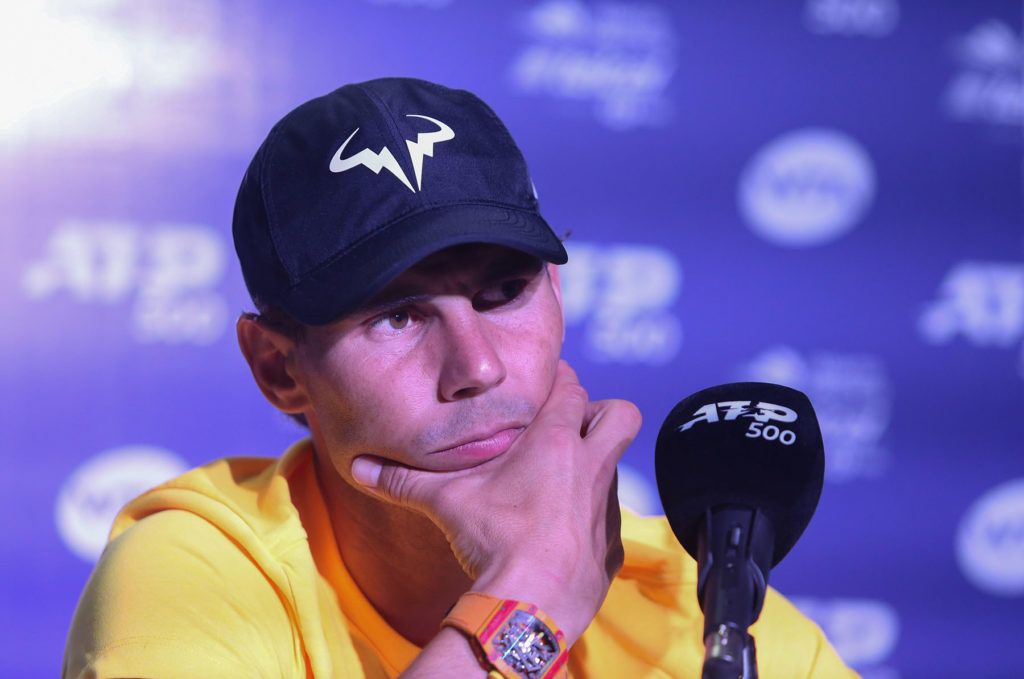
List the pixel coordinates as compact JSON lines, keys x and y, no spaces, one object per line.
{"x":384,"y":159}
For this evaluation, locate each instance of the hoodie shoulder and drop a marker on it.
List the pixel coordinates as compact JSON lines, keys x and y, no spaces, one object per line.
{"x":172,"y":595}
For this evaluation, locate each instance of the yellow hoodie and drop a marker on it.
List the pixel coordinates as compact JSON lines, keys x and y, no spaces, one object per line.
{"x":231,"y":570}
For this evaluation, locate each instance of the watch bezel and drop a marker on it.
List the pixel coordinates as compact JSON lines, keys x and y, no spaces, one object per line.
{"x":507,"y":648}
{"x":487,"y":620}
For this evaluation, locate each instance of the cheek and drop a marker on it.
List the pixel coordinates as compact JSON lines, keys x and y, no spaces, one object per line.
{"x":367,"y":401}
{"x":530,"y":351}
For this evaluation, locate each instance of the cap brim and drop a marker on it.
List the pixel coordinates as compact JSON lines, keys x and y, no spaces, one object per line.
{"x":352,"y":277}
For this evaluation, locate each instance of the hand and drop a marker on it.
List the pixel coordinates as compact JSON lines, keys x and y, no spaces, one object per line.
{"x":539,"y":523}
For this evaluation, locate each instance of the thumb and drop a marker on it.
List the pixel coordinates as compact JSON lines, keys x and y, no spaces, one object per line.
{"x":394,"y":482}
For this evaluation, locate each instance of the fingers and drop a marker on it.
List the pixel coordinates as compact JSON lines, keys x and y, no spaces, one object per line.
{"x":414,"y":488}
{"x":366,"y":470}
{"x":612,"y":424}
{"x":566,"y":403}
{"x":593,"y":408}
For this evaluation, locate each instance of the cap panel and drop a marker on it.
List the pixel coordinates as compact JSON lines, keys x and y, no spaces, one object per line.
{"x":480,"y":163}
{"x":264,"y":276}
{"x":319,"y":209}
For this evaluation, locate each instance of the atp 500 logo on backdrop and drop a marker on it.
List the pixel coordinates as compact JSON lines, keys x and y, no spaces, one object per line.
{"x":621,"y":296}
{"x":990,"y":541}
{"x":618,"y":57}
{"x":807,"y":187}
{"x":91,"y":497}
{"x":167,"y":273}
{"x":852,"y":397}
{"x":981,"y":303}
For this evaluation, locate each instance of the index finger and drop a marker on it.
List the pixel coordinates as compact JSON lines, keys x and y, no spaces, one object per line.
{"x":612,"y":424}
{"x":566,"y":402}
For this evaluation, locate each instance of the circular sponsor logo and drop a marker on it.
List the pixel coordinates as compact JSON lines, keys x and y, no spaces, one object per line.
{"x":990,"y":542}
{"x":94,"y":493}
{"x":864,"y":632}
{"x":806,"y":187}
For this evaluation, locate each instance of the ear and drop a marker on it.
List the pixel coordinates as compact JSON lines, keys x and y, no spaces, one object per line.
{"x":556,"y":284}
{"x":556,"y":287}
{"x":271,"y":358}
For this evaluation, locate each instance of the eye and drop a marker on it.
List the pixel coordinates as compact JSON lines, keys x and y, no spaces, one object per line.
{"x":399,"y":320}
{"x":393,"y":322}
{"x":499,"y":294}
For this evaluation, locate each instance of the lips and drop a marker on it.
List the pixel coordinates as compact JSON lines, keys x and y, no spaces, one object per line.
{"x":484,"y":446}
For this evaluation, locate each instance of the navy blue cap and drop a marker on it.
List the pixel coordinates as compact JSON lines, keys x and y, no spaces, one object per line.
{"x":352,"y":188}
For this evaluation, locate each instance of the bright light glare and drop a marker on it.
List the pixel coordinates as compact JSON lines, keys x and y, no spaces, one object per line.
{"x":51,"y":59}
{"x":69,"y":64}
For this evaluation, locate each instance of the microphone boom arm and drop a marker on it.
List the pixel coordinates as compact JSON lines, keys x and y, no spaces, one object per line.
{"x":734,"y":558}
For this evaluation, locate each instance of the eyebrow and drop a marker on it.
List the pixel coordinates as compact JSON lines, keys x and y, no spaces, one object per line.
{"x":399,"y":297}
{"x":512,"y":266}
{"x":412,"y":293}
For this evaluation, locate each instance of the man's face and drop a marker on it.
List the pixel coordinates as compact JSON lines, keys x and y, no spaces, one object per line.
{"x":441,"y":370}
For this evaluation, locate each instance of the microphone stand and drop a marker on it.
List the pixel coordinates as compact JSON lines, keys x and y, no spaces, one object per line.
{"x":729,"y":654}
{"x":735,"y":550}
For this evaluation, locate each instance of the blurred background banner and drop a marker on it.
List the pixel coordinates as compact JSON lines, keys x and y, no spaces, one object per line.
{"x":823,"y":193}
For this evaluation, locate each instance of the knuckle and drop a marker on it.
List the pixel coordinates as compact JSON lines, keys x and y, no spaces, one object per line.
{"x":632,"y":415}
{"x":396,"y":483}
{"x":627,"y":414}
{"x":575,"y":391}
{"x":561,"y":437}
{"x":567,"y":371}
{"x":387,"y":482}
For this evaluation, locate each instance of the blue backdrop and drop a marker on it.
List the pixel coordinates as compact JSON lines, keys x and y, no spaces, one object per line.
{"x":825,"y":194}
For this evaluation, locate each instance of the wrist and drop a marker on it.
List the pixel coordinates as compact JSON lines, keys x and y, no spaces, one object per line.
{"x":572,"y":616}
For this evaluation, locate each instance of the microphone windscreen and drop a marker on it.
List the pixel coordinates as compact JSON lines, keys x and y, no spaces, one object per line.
{"x":750,"y":444}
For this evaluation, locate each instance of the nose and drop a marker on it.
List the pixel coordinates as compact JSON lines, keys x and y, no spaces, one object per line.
{"x":471,"y":365}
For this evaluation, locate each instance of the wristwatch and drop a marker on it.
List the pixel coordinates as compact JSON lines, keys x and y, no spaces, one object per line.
{"x":513,"y":637}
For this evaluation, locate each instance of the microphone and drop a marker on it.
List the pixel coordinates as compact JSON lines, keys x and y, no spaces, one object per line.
{"x":740,"y":469}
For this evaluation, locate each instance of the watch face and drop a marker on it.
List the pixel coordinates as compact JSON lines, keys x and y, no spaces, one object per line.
{"x":526,"y":645}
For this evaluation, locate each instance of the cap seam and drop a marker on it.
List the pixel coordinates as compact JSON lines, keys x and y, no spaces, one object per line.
{"x":385,"y":114}
{"x":389,"y":117}
{"x":341,"y":253}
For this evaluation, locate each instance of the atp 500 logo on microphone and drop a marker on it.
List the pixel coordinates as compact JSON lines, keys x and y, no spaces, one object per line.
{"x":763,"y":414}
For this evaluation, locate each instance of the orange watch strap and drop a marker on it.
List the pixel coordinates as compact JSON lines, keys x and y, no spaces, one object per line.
{"x":471,"y":610}
{"x":481,"y":616}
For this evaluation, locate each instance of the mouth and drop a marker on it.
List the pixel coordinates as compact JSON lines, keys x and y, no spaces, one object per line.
{"x":485,"y":446}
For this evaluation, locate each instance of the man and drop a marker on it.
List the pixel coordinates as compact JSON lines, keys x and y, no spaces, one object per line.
{"x":454,"y":512}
